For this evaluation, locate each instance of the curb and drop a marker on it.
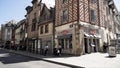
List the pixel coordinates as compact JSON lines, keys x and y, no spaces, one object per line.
{"x":40,"y":58}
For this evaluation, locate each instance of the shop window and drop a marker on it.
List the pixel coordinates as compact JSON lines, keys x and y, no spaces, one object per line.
{"x":62,"y":42}
{"x":70,"y":43}
{"x":66,"y":44}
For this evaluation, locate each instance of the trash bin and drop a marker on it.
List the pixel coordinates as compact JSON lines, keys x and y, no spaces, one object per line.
{"x":112,"y":51}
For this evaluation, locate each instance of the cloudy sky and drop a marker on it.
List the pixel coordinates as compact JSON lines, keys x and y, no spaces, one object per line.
{"x":15,"y":9}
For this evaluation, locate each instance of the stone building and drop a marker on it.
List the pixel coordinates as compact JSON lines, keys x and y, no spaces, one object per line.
{"x":32,"y":19}
{"x":0,"y":38}
{"x":20,"y":33}
{"x":109,"y":21}
{"x":6,"y":33}
{"x":46,"y":27}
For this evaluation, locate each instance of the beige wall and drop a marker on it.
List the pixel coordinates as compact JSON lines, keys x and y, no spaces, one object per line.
{"x":17,"y":35}
{"x":50,"y":29}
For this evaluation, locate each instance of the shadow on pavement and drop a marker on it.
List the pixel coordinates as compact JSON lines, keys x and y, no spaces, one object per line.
{"x":11,"y":58}
{"x":110,"y":56}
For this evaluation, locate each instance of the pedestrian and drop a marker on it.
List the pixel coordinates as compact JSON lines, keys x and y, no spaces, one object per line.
{"x":55,"y":51}
{"x":58,"y":52}
{"x":60,"y":49}
{"x":105,"y":47}
{"x":46,"y":50}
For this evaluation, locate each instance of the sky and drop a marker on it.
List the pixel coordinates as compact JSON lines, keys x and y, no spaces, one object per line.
{"x":15,"y":9}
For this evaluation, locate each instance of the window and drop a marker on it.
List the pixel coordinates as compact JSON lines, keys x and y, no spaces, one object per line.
{"x":8,"y":36}
{"x":41,"y":30}
{"x":64,"y":15}
{"x":93,"y":1}
{"x":8,"y":30}
{"x":104,"y":2}
{"x":92,"y":15}
{"x":33,"y":26}
{"x":46,"y":28}
{"x":70,"y":43}
{"x":107,"y":10}
{"x":35,"y":15}
{"x":63,"y":1}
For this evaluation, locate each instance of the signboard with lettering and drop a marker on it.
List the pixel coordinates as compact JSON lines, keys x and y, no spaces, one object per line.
{"x":92,"y":31}
{"x":64,"y":32}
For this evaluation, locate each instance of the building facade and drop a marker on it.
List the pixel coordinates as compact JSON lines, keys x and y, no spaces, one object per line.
{"x":109,"y":21}
{"x":76,"y":26}
{"x":20,"y":34}
{"x":7,"y":30}
{"x":32,"y":19}
{"x":46,"y":28}
{"x":0,"y":38}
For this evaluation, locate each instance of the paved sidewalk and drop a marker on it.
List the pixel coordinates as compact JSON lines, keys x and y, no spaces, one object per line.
{"x":42,"y":57}
{"x":93,"y":60}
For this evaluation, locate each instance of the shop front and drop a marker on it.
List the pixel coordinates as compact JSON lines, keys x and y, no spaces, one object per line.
{"x":91,"y":39}
{"x":64,"y":38}
{"x":45,"y":41}
{"x":32,"y":45}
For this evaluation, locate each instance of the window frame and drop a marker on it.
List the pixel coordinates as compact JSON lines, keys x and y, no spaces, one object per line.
{"x":64,"y":1}
{"x":93,"y":1}
{"x":46,"y":28}
{"x":92,"y":15}
{"x":41,"y":29}
{"x":64,"y":16}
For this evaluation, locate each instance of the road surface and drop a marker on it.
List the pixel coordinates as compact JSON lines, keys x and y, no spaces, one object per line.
{"x":11,"y":60}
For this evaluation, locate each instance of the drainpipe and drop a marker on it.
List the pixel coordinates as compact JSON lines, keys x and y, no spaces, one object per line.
{"x":53,"y":29}
{"x":78,"y":49}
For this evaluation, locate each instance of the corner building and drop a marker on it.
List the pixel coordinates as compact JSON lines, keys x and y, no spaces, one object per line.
{"x":77,"y":26}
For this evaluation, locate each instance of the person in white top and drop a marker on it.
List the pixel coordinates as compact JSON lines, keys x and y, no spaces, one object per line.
{"x":60,"y":49}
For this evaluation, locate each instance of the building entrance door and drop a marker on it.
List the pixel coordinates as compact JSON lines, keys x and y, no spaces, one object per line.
{"x":86,"y":45}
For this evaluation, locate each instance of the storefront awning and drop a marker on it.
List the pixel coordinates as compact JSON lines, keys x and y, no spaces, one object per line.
{"x":97,"y":36}
{"x":87,"y":35}
{"x":91,"y":36}
{"x":65,"y":36}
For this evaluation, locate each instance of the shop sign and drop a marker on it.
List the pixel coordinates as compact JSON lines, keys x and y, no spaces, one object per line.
{"x":92,"y":32}
{"x":64,"y":32}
